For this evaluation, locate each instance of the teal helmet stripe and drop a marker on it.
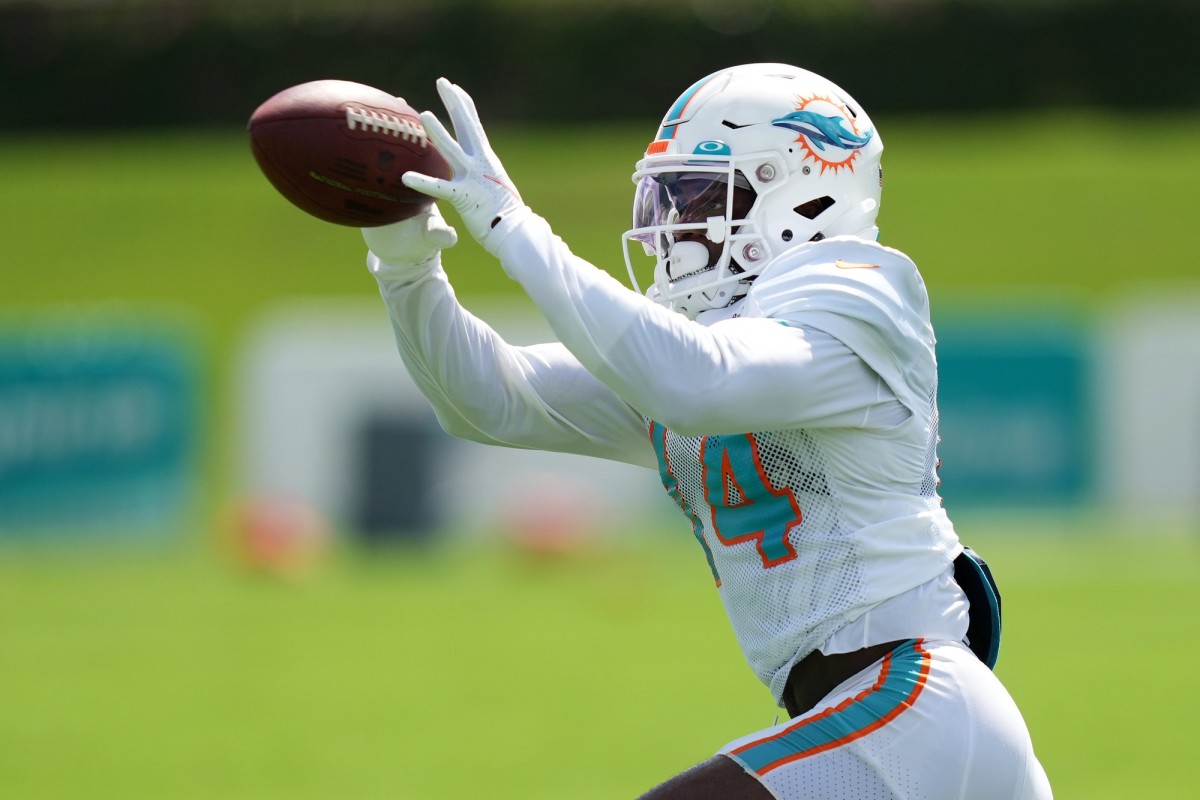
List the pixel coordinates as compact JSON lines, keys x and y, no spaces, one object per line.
{"x":671,"y":120}
{"x":901,"y":680}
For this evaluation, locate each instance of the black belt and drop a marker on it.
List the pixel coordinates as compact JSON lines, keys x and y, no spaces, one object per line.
{"x":816,"y":675}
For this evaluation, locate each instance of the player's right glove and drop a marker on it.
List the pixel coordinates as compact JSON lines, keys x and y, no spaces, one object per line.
{"x":408,"y":249}
{"x":480,"y":190}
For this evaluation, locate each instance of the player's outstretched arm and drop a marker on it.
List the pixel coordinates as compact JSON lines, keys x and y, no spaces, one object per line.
{"x":481,"y":387}
{"x":692,"y":378}
{"x":409,"y":249}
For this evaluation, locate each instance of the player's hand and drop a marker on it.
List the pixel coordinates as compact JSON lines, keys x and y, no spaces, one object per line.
{"x":408,"y":249}
{"x":480,"y":190}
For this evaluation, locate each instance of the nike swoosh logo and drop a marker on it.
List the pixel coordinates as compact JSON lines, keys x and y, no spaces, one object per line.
{"x":853,"y":265}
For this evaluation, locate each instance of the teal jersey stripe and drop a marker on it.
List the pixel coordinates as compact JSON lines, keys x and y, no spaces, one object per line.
{"x":658,"y":437}
{"x":901,"y":680}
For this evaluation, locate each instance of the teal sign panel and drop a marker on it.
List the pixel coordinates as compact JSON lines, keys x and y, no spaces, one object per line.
{"x":1017,"y":422}
{"x":98,"y":428}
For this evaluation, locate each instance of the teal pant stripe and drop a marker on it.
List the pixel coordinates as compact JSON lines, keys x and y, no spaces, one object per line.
{"x":901,"y":680}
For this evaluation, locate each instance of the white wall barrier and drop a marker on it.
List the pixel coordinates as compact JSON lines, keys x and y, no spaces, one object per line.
{"x":1148,"y":354}
{"x":330,"y":416}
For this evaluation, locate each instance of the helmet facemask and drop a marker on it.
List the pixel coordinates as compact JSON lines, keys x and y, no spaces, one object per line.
{"x":694,"y":217}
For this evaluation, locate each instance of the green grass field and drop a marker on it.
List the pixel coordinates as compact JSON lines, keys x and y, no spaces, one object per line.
{"x":172,"y":674}
{"x":486,"y":674}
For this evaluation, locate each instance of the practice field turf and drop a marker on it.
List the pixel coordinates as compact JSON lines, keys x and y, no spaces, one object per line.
{"x":493,"y":674}
{"x":483,"y":673}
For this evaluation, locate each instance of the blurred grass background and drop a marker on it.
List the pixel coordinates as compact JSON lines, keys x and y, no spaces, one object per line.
{"x":480,"y":672}
{"x":1037,"y":209}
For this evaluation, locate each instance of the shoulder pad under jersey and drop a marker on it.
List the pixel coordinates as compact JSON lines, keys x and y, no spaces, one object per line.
{"x":869,"y":296}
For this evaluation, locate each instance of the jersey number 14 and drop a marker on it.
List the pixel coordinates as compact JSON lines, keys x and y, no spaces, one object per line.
{"x":744,"y":505}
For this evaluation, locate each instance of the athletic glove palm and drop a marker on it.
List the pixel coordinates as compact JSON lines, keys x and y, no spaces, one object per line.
{"x":480,"y":190}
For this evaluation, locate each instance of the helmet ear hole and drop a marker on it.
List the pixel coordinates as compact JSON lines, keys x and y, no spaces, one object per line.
{"x":814,"y":208}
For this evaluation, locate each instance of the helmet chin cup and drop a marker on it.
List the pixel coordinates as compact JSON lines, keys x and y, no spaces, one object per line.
{"x":687,"y":281}
{"x":685,"y":259}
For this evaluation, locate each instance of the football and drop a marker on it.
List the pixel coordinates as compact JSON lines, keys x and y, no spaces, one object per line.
{"x":337,"y":149}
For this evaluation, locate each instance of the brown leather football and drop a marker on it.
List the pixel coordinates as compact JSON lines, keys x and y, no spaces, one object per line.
{"x":337,"y":149}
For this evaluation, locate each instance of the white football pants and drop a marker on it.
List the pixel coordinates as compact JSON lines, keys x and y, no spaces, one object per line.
{"x":927,"y":722}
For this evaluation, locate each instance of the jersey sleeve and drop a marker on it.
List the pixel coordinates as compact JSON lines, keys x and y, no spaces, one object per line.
{"x":483,"y":389}
{"x":735,"y":375}
{"x":871,"y":298}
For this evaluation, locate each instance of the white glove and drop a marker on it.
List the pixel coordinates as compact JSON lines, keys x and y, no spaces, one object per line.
{"x":408,"y":249}
{"x":480,"y":190}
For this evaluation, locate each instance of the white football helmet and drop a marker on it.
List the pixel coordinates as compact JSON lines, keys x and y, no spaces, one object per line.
{"x":748,"y":162}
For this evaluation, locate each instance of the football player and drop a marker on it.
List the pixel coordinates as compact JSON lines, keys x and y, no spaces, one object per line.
{"x":778,"y":375}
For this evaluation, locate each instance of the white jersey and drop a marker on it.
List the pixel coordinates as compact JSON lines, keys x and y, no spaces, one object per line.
{"x":809,"y":528}
{"x":795,"y":430}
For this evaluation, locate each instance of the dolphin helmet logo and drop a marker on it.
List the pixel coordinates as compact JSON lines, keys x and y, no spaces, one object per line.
{"x":827,"y":131}
{"x":822,"y":130}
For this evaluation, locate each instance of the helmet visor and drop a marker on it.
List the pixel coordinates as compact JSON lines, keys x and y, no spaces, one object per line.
{"x":687,"y":214}
{"x":668,"y":202}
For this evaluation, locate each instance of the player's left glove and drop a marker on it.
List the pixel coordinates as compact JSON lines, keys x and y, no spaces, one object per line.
{"x":480,"y":190}
{"x":408,"y":249}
